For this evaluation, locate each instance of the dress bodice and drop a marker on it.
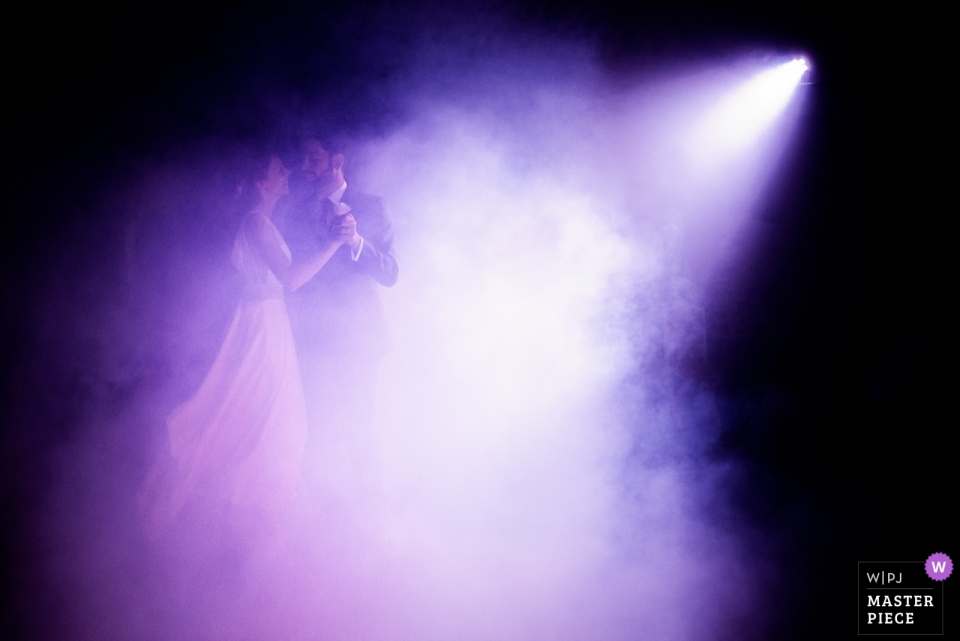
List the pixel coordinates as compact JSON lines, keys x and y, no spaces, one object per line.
{"x":258,"y":279}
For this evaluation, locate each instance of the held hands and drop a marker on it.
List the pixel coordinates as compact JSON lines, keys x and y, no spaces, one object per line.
{"x":344,"y":229}
{"x":340,"y":225}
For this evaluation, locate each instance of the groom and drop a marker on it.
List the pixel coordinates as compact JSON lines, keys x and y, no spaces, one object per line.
{"x":339,"y":325}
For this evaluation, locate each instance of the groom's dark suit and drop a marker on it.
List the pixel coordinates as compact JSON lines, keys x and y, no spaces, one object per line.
{"x":339,"y":325}
{"x":338,"y":312}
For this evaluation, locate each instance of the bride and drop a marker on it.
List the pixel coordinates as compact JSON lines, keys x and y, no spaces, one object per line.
{"x":237,"y":442}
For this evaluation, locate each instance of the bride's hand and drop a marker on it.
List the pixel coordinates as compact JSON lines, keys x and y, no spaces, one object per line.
{"x":346,"y":228}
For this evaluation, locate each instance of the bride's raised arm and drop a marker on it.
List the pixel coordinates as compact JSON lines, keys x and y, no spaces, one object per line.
{"x":264,"y":236}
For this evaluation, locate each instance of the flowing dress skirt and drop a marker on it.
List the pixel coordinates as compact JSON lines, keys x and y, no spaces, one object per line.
{"x":239,"y":440}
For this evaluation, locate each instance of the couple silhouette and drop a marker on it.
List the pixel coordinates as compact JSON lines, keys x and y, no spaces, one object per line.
{"x":290,"y":382}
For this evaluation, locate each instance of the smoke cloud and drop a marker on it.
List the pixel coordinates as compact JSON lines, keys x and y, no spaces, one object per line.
{"x":541,"y":466}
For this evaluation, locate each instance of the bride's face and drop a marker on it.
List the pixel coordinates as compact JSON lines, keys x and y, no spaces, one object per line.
{"x":275,"y":183}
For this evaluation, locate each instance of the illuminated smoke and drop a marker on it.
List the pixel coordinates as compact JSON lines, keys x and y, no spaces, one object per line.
{"x":745,"y":113}
{"x":539,"y":469}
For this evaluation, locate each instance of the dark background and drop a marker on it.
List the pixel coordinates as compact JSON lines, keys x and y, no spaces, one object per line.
{"x":830,"y":351}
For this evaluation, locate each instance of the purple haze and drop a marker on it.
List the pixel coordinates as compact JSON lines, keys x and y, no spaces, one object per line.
{"x":540,"y":466}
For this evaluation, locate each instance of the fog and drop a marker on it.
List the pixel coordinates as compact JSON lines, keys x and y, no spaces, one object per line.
{"x":542,"y":465}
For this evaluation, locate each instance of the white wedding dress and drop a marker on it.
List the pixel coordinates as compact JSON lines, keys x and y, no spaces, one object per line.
{"x":240,"y":438}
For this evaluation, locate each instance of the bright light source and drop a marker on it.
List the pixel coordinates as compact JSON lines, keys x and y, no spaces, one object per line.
{"x":741,"y":116}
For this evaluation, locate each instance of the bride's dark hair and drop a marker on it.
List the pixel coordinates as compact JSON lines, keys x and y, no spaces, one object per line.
{"x":252,"y":168}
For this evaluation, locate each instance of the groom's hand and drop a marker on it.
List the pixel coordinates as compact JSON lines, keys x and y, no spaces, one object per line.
{"x":345,"y":227}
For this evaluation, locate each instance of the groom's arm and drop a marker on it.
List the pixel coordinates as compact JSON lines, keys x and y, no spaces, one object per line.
{"x":376,"y":257}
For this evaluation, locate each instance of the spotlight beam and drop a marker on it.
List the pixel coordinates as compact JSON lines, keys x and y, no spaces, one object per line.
{"x":744,"y":114}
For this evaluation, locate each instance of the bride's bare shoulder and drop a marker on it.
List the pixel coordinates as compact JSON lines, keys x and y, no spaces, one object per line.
{"x":256,"y":222}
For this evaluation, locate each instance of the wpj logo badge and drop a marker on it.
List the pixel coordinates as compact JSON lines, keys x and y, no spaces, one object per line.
{"x":899,"y":598}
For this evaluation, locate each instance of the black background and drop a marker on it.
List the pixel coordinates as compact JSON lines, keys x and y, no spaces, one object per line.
{"x":832,"y":355}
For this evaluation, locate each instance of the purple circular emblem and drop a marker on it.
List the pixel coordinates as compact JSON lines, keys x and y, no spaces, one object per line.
{"x":938,"y":566}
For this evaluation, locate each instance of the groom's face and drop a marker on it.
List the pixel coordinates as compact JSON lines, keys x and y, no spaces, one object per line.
{"x":316,"y":162}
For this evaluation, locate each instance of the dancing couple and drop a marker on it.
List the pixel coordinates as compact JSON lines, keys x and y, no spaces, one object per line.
{"x":237,"y":445}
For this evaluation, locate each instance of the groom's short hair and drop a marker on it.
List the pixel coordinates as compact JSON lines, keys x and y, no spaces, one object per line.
{"x":332,"y":143}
